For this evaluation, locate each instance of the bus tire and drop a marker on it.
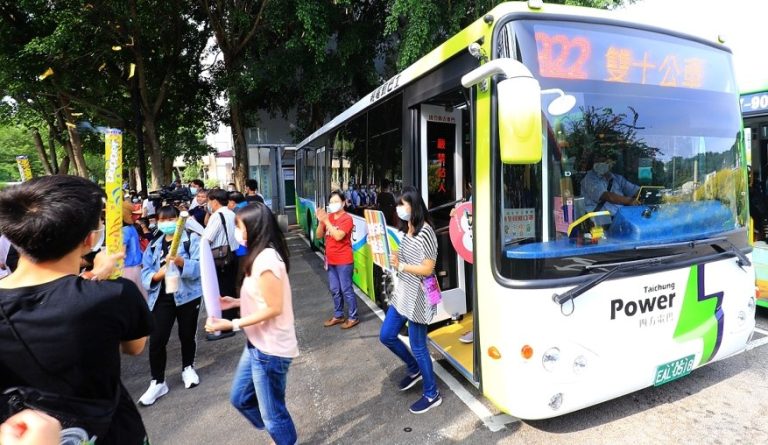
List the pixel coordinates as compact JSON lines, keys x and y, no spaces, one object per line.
{"x":311,"y":233}
{"x":383,"y":287}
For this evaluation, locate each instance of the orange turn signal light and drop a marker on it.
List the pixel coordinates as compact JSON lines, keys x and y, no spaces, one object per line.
{"x":494,"y":353}
{"x":526,"y":352}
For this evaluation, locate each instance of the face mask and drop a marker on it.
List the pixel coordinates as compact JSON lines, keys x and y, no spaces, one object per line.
{"x":239,"y":237}
{"x":99,"y":241}
{"x":402,"y":214}
{"x":230,"y":189}
{"x":193,"y":190}
{"x":601,"y":168}
{"x":167,"y":227}
{"x":334,"y":207}
{"x":208,"y":207}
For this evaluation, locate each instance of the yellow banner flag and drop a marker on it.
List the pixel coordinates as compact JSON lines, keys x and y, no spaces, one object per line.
{"x":25,"y":169}
{"x":113,"y":144}
{"x":180,"y":223}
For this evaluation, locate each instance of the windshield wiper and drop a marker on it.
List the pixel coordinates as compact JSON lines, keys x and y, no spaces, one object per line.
{"x":612,"y":269}
{"x":731,"y":249}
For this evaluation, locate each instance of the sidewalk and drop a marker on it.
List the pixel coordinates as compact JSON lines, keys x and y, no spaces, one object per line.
{"x":341,"y":389}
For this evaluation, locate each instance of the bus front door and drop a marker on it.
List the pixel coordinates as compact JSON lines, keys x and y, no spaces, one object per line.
{"x":441,"y":187}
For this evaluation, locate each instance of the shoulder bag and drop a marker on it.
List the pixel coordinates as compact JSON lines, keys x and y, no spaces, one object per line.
{"x":223,"y":255}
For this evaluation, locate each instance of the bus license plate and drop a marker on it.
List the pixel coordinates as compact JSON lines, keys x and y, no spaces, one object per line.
{"x":673,"y":370}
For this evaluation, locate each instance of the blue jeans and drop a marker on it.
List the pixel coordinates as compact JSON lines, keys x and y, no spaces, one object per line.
{"x":420,"y":360}
{"x":258,"y":392}
{"x":340,"y":282}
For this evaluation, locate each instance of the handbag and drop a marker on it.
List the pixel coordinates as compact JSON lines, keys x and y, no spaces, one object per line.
{"x":432,"y":289}
{"x":223,"y":255}
{"x":93,"y":416}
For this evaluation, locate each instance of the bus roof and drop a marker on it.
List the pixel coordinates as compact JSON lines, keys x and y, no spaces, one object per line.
{"x":764,"y":89}
{"x":461,"y":41}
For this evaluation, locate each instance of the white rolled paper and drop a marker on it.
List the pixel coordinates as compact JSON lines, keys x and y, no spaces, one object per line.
{"x":208,"y":280}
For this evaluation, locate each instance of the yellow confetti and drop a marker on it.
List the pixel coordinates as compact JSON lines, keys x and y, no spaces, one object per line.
{"x":47,"y":73}
{"x":77,"y":114}
{"x":103,"y":65}
{"x":117,"y":48}
{"x":131,"y":70}
{"x":71,"y":125}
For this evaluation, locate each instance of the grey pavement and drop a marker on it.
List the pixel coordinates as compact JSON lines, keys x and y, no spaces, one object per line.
{"x":342,"y":389}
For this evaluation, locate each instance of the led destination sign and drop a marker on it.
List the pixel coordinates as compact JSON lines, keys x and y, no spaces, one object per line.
{"x":583,"y":53}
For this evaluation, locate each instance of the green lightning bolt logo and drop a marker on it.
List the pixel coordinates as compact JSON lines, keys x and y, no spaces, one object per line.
{"x":701,"y":315}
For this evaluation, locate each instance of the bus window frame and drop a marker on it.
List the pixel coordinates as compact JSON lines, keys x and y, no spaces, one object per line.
{"x":691,"y":257}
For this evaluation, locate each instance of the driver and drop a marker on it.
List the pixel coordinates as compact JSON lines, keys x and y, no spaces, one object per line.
{"x":604,"y":190}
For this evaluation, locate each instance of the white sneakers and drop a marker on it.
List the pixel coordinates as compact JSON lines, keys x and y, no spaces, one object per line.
{"x":154,"y":392}
{"x":468,"y":337}
{"x":157,"y":390}
{"x":190,"y":377}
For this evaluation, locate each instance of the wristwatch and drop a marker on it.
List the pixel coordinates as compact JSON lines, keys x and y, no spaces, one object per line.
{"x":400,"y":267}
{"x":235,"y":325}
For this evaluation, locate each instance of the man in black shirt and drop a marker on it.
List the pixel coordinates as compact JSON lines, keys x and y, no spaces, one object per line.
{"x":61,"y":333}
{"x":252,"y":191}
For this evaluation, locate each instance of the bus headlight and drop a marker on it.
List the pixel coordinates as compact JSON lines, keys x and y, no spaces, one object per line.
{"x":751,"y":303}
{"x":579,"y":364}
{"x":550,"y":358}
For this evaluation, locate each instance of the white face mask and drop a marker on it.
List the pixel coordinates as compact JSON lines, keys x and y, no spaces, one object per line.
{"x":402,"y":214}
{"x":239,"y":237}
{"x":334,"y":207}
{"x":100,"y":240}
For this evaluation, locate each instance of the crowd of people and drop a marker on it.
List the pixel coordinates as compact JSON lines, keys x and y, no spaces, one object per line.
{"x":59,"y":279}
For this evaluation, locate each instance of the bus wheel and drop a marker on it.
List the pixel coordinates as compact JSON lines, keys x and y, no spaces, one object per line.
{"x":383,"y":287}
{"x":311,"y":233}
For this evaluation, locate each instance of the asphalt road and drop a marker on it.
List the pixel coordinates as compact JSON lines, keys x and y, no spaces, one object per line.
{"x":342,"y":389}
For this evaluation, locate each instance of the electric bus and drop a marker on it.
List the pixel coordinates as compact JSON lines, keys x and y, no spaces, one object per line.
{"x":606,"y":171}
{"x":754,"y":110}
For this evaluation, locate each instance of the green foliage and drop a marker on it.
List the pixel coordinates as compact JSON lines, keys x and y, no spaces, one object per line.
{"x":418,"y":26}
{"x":15,"y":141}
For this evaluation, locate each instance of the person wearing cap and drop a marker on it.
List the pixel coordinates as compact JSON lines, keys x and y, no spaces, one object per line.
{"x":133,"y":252}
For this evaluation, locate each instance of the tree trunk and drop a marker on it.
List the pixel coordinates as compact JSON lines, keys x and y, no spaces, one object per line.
{"x":41,"y":151}
{"x":74,"y":138}
{"x":52,"y":149}
{"x":155,"y":154}
{"x":240,"y":147}
{"x":64,"y":166}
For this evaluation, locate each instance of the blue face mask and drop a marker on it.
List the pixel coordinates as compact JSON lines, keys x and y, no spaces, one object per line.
{"x":193,"y":191}
{"x":167,"y":227}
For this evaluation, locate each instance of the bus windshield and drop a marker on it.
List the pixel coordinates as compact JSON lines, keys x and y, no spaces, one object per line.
{"x":650,"y":154}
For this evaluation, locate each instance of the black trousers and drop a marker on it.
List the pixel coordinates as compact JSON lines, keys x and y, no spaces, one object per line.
{"x":228,"y":286}
{"x":165,"y":313}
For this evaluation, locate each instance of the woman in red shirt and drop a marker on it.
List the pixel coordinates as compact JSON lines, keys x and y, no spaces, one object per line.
{"x":336,"y":225}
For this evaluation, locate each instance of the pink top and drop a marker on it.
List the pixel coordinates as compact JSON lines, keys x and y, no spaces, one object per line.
{"x":276,"y":336}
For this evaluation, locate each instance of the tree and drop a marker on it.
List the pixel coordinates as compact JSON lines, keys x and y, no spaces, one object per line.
{"x":314,"y":58}
{"x":421,"y":25}
{"x":97,"y":56}
{"x":15,"y":141}
{"x":234,"y":23}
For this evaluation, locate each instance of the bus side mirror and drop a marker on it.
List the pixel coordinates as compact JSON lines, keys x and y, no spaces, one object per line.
{"x":519,"y":99}
{"x":519,"y":111}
